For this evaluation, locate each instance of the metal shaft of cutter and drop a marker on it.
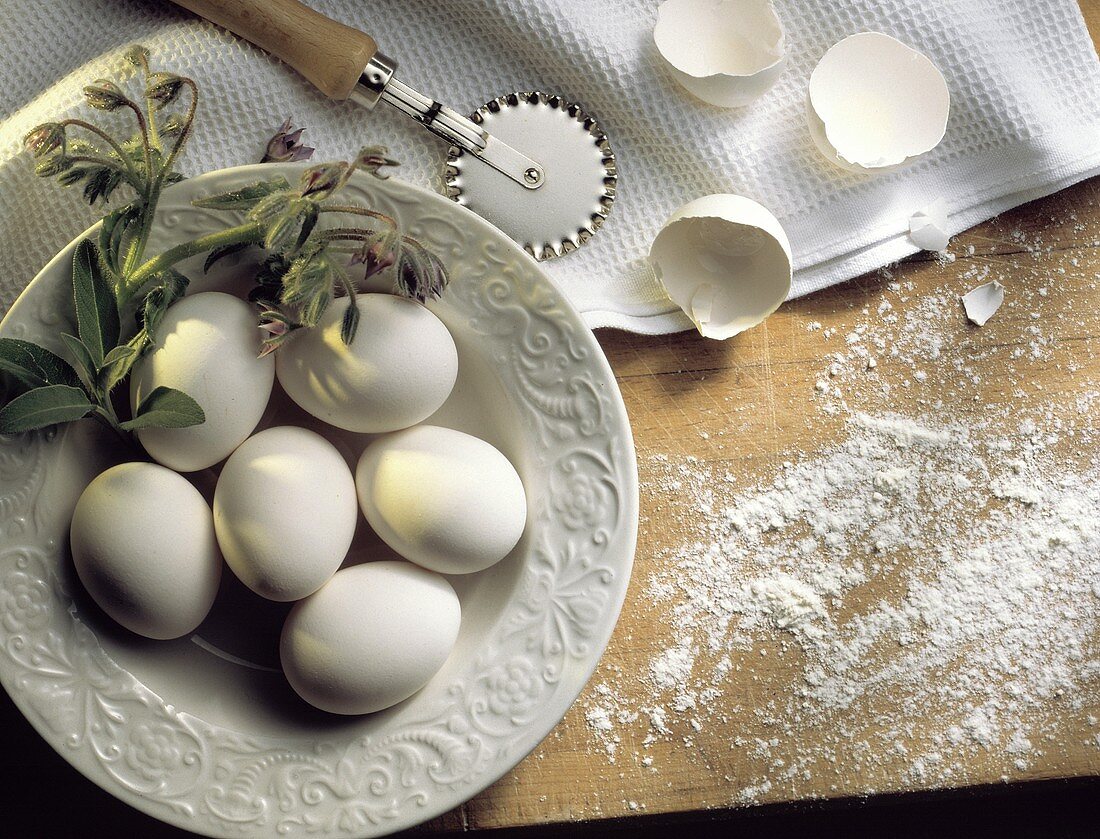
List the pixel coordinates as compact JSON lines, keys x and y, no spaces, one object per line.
{"x":377,"y":82}
{"x":439,"y":119}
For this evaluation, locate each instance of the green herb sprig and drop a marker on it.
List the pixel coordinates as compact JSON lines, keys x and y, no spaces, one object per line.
{"x":310,"y":260}
{"x":310,"y":263}
{"x":52,"y":389}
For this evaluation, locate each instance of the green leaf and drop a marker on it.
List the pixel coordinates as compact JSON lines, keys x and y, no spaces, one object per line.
{"x":102,"y":181}
{"x":119,"y":353}
{"x":309,"y":221}
{"x":35,"y":366}
{"x":160,"y":298}
{"x":85,"y":367}
{"x":166,"y":407}
{"x":244,"y":198}
{"x":116,"y":365}
{"x":280,"y":230}
{"x":96,"y":307}
{"x":42,"y":407}
{"x":112,"y":231}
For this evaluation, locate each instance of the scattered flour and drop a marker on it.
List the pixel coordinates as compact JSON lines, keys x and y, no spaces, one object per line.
{"x":918,"y":599}
{"x":981,"y":629}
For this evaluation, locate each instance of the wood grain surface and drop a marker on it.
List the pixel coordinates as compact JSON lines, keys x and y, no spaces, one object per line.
{"x":747,"y":405}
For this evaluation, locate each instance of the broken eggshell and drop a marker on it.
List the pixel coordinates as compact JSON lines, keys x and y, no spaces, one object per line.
{"x":982,"y":302}
{"x":928,"y":227}
{"x":726,"y":52}
{"x":726,"y":261}
{"x":875,"y":104}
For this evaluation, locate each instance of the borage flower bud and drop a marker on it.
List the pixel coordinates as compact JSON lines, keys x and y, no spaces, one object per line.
{"x":276,"y":328}
{"x":52,"y":166}
{"x":320,"y":181}
{"x":377,"y":253}
{"x":43,"y":139}
{"x":372,"y":159}
{"x":171,"y":126}
{"x":163,"y":88}
{"x":138,"y":56}
{"x":420,"y":274}
{"x":106,"y":95}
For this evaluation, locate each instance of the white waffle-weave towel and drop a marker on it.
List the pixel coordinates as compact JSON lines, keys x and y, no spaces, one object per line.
{"x":1025,"y":121}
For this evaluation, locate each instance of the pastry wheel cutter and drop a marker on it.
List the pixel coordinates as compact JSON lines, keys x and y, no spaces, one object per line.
{"x":533,"y":164}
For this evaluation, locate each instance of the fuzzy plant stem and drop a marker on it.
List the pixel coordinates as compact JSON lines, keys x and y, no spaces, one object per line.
{"x":250,"y":233}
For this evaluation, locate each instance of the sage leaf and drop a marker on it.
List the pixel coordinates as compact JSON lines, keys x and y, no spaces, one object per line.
{"x":116,"y":365}
{"x":166,"y":407}
{"x":35,"y":366}
{"x":96,"y":308}
{"x":85,"y":367}
{"x":44,"y":406}
{"x":119,"y":353}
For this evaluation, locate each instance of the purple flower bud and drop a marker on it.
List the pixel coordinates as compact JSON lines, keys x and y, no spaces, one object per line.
{"x":377,"y":254}
{"x":286,"y":146}
{"x":322,"y":180}
{"x":276,"y":328}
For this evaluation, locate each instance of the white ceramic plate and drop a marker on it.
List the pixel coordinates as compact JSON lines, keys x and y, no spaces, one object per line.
{"x":203,"y":732}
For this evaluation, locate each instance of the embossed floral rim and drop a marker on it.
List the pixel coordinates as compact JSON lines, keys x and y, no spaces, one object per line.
{"x":493,"y":710}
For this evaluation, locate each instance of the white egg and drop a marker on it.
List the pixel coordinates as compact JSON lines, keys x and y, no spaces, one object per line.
{"x":144,"y":547}
{"x":398,"y":370}
{"x":441,"y":498}
{"x":285,"y":512}
{"x":371,"y":637}
{"x":207,"y":346}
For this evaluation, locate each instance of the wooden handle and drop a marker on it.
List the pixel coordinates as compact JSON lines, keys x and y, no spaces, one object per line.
{"x":329,"y":54}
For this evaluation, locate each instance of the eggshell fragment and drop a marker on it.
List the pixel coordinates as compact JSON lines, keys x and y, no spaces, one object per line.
{"x":726,"y":261}
{"x":982,"y":302}
{"x":726,"y":52}
{"x":371,"y":637}
{"x":207,"y":346}
{"x":875,"y":103}
{"x":441,"y":498}
{"x":927,"y":227}
{"x":398,"y":371}
{"x":285,"y":512}
{"x":143,"y":546}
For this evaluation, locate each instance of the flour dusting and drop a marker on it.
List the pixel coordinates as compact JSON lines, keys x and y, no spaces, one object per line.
{"x":918,"y":598}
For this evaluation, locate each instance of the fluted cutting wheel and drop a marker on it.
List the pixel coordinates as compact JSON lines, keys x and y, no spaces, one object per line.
{"x":575,"y":156}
